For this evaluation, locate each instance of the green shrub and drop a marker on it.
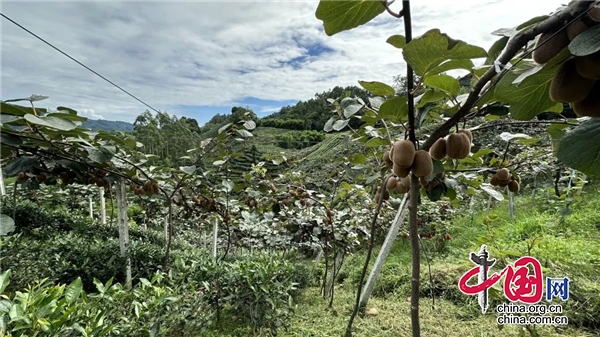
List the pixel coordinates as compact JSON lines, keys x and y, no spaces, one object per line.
{"x":299,"y":139}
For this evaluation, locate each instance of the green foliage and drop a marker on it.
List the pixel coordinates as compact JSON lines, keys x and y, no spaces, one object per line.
{"x":291,"y":124}
{"x":101,"y":124}
{"x":299,"y":140}
{"x":579,"y":149}
{"x":338,"y":16}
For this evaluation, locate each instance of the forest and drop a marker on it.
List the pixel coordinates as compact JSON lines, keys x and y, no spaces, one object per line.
{"x":421,"y":207}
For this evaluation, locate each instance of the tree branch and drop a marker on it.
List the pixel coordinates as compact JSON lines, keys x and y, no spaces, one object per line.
{"x":513,"y":47}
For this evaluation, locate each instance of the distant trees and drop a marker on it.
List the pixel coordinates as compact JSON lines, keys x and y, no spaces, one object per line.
{"x":299,"y":139}
{"x":166,"y":135}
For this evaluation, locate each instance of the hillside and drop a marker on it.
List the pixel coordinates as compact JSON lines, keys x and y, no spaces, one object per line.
{"x":101,"y":124}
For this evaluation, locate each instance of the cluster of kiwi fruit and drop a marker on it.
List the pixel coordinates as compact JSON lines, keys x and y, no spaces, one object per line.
{"x":403,"y":159}
{"x":148,"y":188}
{"x":455,"y":146}
{"x":208,"y":204}
{"x":251,"y":202}
{"x":577,"y":80}
{"x":503,"y":178}
{"x":299,"y":193}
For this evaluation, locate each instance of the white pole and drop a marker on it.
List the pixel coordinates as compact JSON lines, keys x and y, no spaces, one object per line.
{"x":102,"y":206}
{"x":2,"y":189}
{"x":124,"y":229}
{"x":215,"y":232}
{"x":167,"y":227}
{"x":91,"y":208}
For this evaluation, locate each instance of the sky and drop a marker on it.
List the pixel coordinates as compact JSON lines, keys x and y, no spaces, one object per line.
{"x":200,"y":58}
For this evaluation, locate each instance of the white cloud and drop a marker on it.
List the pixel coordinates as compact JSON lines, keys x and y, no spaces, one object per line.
{"x":215,"y":53}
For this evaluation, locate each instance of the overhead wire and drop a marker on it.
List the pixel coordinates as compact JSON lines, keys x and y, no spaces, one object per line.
{"x":81,"y":64}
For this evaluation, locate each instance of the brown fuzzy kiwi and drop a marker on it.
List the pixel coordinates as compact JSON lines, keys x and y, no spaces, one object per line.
{"x":575,"y":29}
{"x":568,"y":86}
{"x":438,"y":149}
{"x":21,"y":176}
{"x":391,"y":183}
{"x":503,"y":174}
{"x":590,"y":106}
{"x":155,"y":188}
{"x":403,"y":153}
{"x":139,"y":191}
{"x":504,"y":183}
{"x":400,"y":171}
{"x":495,"y":181}
{"x":423,"y":165}
{"x":423,"y":182}
{"x":387,"y":160}
{"x":588,"y":66}
{"x":548,"y":50}
{"x":458,"y":146}
{"x":513,"y":186}
{"x":468,"y":133}
{"x":400,"y":188}
{"x":100,"y":182}
{"x":40,"y":178}
{"x":405,"y":182}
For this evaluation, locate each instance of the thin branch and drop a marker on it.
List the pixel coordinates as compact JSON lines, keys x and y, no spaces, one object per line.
{"x":390,"y":11}
{"x":481,"y":127}
{"x":515,"y":44}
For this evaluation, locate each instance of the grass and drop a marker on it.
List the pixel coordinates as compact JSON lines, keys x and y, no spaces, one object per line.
{"x":566,"y":246}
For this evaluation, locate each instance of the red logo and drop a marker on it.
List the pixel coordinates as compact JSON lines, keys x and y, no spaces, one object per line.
{"x":519,"y":284}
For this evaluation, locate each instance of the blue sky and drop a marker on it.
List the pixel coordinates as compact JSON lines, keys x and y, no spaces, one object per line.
{"x":199,"y":58}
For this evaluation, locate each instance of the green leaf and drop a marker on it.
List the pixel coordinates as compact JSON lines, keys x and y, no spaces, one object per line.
{"x":430,"y":96}
{"x":7,"y":225}
{"x":9,"y":139}
{"x":249,"y":125}
{"x":495,"y":50}
{"x":244,"y":133}
{"x":452,"y":64}
{"x":73,"y":291}
{"x":19,"y":164}
{"x":428,"y":51}
{"x":4,"y":280}
{"x":531,"y":96}
{"x":445,"y":83}
{"x":67,"y":116}
{"x":338,"y":16}
{"x":188,"y":169}
{"x":395,"y":109}
{"x":329,"y":125}
{"x":397,"y":41}
{"x":100,"y":155}
{"x":377,"y":88}
{"x":351,"y":106}
{"x":68,"y":110}
{"x":357,"y":159}
{"x":224,"y":127}
{"x":340,"y":124}
{"x":9,"y":119}
{"x":51,"y":122}
{"x":556,"y":131}
{"x":586,"y":43}
{"x":375,"y":142}
{"x":492,"y":192}
{"x":580,"y":148}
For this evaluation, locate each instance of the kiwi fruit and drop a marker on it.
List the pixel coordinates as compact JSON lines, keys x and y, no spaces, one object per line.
{"x":155,"y":188}
{"x":400,"y":188}
{"x":568,"y":86}
{"x":503,"y":174}
{"x":405,"y":182}
{"x":590,"y":106}
{"x":458,"y":146}
{"x":588,"y":66}
{"x":387,"y":160}
{"x":438,"y":149}
{"x":400,"y":171}
{"x":391,"y":183}
{"x":139,"y":191}
{"x":21,"y":176}
{"x":329,"y":213}
{"x":548,"y":46}
{"x":403,"y":153}
{"x":575,"y":29}
{"x":423,"y":164}
{"x":495,"y":181}
{"x":513,"y":186}
{"x":468,"y":133}
{"x":40,"y":178}
{"x":92,"y":180}
{"x":423,"y":182}
{"x":100,"y":182}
